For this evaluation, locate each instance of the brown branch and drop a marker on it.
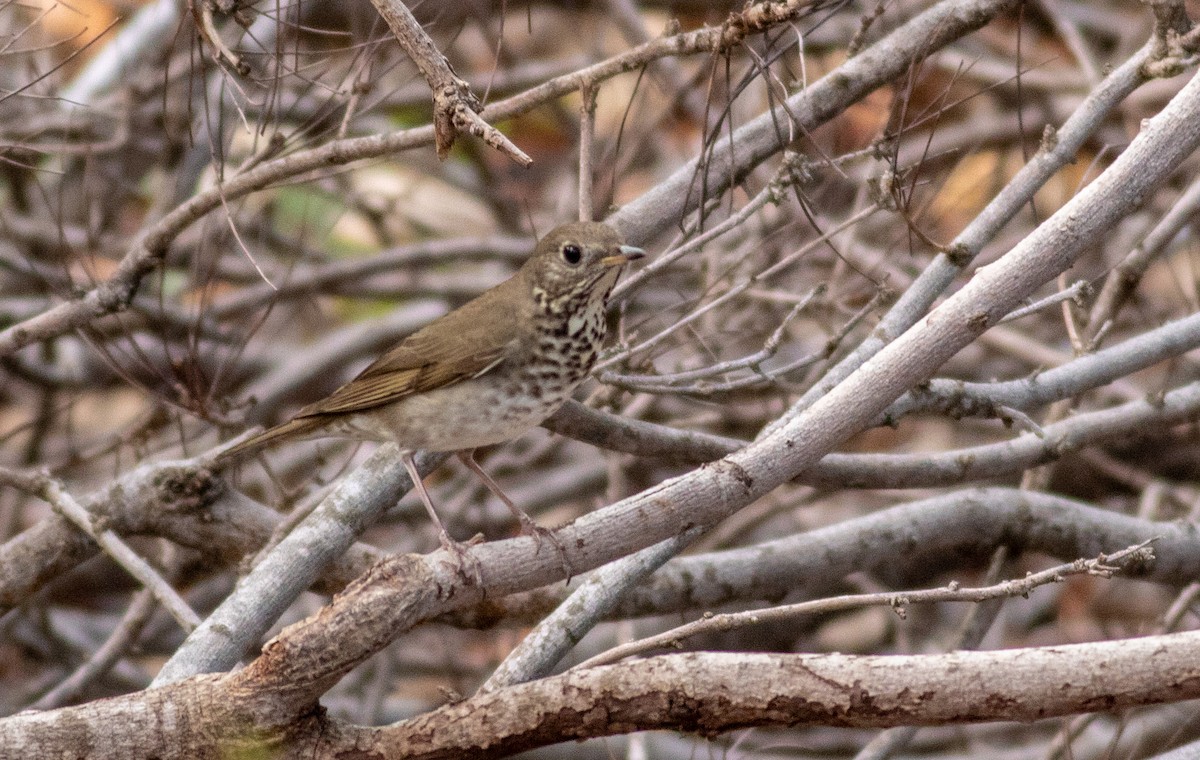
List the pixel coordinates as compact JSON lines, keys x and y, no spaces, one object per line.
{"x":710,"y":692}
{"x":455,"y":107}
{"x":202,"y":13}
{"x":706,"y":693}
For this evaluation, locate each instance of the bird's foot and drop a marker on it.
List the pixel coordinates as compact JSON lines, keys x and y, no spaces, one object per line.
{"x":540,"y":535}
{"x":463,"y":558}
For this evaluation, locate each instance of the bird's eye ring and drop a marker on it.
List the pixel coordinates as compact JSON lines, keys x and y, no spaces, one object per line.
{"x":572,"y":254}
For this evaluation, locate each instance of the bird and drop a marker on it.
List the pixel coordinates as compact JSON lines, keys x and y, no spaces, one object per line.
{"x":481,"y":374}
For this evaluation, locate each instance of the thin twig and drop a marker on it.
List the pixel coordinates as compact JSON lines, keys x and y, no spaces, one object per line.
{"x":62,"y":502}
{"x":1104,"y":566}
{"x":455,"y":107}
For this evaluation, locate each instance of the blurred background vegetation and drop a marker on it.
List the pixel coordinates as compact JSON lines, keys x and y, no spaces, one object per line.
{"x":277,"y":296}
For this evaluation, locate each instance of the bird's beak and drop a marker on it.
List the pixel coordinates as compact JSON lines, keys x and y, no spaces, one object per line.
{"x":627,"y":254}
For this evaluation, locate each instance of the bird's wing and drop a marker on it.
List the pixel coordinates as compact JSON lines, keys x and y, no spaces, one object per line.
{"x":463,"y":344}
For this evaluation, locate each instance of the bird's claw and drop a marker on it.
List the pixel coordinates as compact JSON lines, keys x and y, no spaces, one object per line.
{"x":540,"y":535}
{"x":462,"y":558}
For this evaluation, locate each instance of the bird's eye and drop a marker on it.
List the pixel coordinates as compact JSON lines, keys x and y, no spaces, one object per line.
{"x":572,"y":254}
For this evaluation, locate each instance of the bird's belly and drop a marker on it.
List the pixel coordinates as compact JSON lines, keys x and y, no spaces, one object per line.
{"x":465,"y":415}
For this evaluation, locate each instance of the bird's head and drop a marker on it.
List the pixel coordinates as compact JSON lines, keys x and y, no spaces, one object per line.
{"x":578,"y":258}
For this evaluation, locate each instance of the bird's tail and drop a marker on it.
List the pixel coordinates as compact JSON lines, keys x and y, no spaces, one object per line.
{"x":293,"y":429}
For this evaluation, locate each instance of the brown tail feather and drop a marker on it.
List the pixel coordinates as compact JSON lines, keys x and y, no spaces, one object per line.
{"x":297,"y":428}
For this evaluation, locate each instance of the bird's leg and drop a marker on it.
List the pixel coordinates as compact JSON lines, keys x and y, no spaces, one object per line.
{"x":455,"y":548}
{"x":528,"y":526}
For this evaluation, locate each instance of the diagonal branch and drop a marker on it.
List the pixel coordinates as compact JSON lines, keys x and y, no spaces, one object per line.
{"x":455,"y":107}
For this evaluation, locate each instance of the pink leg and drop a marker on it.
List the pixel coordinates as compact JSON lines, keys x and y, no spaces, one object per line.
{"x":457,"y":549}
{"x":528,"y":526}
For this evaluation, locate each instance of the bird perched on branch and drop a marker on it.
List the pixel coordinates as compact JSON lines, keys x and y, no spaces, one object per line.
{"x":484,"y":373}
